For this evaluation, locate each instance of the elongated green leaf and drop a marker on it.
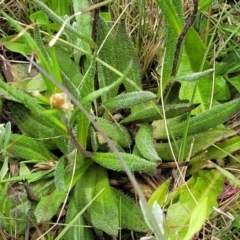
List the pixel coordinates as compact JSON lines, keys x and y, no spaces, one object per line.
{"x":206,"y":184}
{"x":110,"y":161}
{"x":130,"y":214}
{"x":34,"y":106}
{"x":59,"y":178}
{"x":116,"y":132}
{"x":191,"y":62}
{"x":105,"y":41}
{"x":126,"y":53}
{"x":158,"y":215}
{"x":227,"y":174}
{"x":144,"y":142}
{"x":194,"y":76}
{"x":197,"y":219}
{"x":160,"y":193}
{"x":104,"y":210}
{"x":197,"y":143}
{"x":84,"y":26}
{"x":21,"y":146}
{"x":18,"y":45}
{"x":204,"y":4}
{"x":78,"y":230}
{"x":172,"y":14}
{"x":70,"y":71}
{"x":203,"y":121}
{"x":128,"y":100}
{"x":33,"y":125}
{"x":49,"y":205}
{"x":94,"y":95}
{"x":224,"y":149}
{"x":32,"y":177}
{"x":148,"y":112}
{"x":85,"y":87}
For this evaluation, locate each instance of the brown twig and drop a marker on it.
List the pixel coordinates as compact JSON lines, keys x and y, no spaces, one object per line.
{"x":74,"y":141}
{"x":30,"y":196}
{"x":182,"y":35}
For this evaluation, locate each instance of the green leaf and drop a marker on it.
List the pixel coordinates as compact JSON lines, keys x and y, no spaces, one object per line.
{"x":104,"y":210}
{"x":227,"y":174}
{"x":224,"y":148}
{"x":191,"y":61}
{"x":160,"y":193}
{"x":5,"y":134}
{"x":171,"y":12}
{"x":34,"y":106}
{"x":195,"y":50}
{"x":194,"y":144}
{"x":158,"y":215}
{"x":205,"y":185}
{"x":39,"y":17}
{"x":144,"y":142}
{"x":32,"y":177}
{"x":33,"y":125}
{"x":85,"y":87}
{"x":33,"y":45}
{"x":4,"y":168}
{"x":21,"y":146}
{"x":149,"y":112}
{"x":135,"y":163}
{"x":194,"y":76}
{"x":105,"y":41}
{"x":126,"y":53}
{"x":130,"y":214}
{"x":128,"y":100}
{"x":221,"y":89}
{"x":202,"y":122}
{"x":84,"y":26}
{"x":116,"y":132}
{"x":198,"y":217}
{"x":70,"y":71}
{"x":49,"y":205}
{"x":95,"y":94}
{"x":58,"y":20}
{"x":18,"y":45}
{"x":78,"y":230}
{"x":235,"y":81}
{"x":59,"y":178}
{"x":204,"y":4}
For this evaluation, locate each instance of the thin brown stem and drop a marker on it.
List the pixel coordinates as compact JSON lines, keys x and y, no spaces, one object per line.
{"x":74,"y":141}
{"x":182,"y":35}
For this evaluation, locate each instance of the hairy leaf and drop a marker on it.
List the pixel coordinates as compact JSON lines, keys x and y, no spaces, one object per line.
{"x":144,"y":142}
{"x":128,"y":100}
{"x":21,"y":146}
{"x":130,"y":214}
{"x":194,"y":144}
{"x":110,"y":161}
{"x":126,"y":53}
{"x":203,"y":121}
{"x":148,"y":112}
{"x":116,"y":132}
{"x":103,"y":212}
